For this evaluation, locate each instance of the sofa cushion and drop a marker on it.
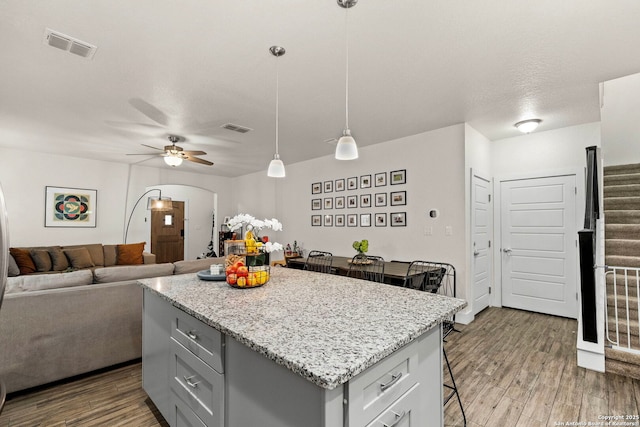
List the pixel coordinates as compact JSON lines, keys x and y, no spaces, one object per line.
{"x":24,"y":260}
{"x":95,"y":251}
{"x":133,"y":272}
{"x":110,"y":255}
{"x":37,"y":282}
{"x":79,"y":258}
{"x":130,"y":254}
{"x":41,"y":259}
{"x":13,"y":267}
{"x":59,"y":261}
{"x":193,"y":266}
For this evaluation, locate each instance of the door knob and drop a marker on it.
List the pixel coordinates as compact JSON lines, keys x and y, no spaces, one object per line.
{"x":476,"y":253}
{"x":507,"y":251}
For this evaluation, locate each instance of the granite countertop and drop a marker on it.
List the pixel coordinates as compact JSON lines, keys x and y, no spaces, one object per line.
{"x":324,"y":327}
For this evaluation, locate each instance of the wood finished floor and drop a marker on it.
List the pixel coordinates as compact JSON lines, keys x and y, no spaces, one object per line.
{"x":513,"y":368}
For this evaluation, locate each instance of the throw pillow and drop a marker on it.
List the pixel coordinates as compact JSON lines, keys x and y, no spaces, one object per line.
{"x":23,"y":259}
{"x":58,"y":259}
{"x":41,"y":259}
{"x":130,"y":254}
{"x":79,"y":258}
{"x":13,"y":267}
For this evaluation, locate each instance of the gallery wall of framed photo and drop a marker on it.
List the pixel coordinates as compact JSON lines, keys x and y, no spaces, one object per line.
{"x":370,"y":200}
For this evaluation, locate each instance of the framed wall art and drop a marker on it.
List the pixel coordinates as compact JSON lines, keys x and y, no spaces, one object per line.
{"x":398,"y":219}
{"x":380,"y":179}
{"x":316,"y":188}
{"x":340,"y":220}
{"x":316,"y":204}
{"x":398,"y":177}
{"x":352,"y":202}
{"x":365,"y":181}
{"x":328,"y":203}
{"x":328,"y":186}
{"x":316,"y":220}
{"x":365,"y":200}
{"x":365,"y":220}
{"x":380,"y":200}
{"x":340,"y":184}
{"x":381,"y":220}
{"x":398,"y":198}
{"x":70,"y":207}
{"x":352,"y":220}
{"x":328,"y":220}
{"x":352,"y":183}
{"x":339,"y":202}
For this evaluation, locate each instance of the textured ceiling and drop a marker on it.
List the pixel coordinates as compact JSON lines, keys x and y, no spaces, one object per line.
{"x":188,"y":67}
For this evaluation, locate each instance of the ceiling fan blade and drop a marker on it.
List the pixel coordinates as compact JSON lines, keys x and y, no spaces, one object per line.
{"x":149,"y":146}
{"x":194,"y":153}
{"x":198,"y":160}
{"x":150,"y":111}
{"x":145,"y":154}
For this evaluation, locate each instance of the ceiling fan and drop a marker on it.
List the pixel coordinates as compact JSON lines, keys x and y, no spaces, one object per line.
{"x":174,"y":155}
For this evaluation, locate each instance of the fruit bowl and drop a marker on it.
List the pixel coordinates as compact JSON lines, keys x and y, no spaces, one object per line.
{"x":238,"y":275}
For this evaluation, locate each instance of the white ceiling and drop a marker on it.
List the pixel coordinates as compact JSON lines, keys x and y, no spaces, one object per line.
{"x":187,"y":67}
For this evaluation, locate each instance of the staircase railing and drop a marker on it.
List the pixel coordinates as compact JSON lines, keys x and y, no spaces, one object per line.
{"x":623,"y":279}
{"x":587,"y":242}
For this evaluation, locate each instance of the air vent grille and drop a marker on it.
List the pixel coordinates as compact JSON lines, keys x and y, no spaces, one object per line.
{"x":69,"y":44}
{"x":236,"y":128}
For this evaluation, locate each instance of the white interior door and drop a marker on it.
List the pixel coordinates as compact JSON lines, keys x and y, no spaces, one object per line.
{"x":482,"y":229}
{"x":538,"y":247}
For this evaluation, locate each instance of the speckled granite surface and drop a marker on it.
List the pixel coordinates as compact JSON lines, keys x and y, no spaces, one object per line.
{"x":323,"y":327}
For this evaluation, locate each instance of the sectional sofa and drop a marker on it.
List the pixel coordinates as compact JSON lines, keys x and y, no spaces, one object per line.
{"x":58,"y":324}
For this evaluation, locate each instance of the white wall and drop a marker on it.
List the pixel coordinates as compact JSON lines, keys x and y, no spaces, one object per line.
{"x":620,"y":125}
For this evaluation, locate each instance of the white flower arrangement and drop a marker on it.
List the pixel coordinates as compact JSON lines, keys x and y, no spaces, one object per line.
{"x":251,"y":223}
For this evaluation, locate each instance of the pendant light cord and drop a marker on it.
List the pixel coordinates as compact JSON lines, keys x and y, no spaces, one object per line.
{"x":346,"y":31}
{"x":277,"y":102}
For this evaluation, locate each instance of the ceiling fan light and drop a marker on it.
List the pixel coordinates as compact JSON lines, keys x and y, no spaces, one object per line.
{"x":276,"y":168}
{"x":173,"y":160}
{"x":346,"y":148}
{"x":528,"y":126}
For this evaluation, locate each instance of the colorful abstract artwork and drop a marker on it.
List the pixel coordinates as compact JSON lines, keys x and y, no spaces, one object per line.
{"x":70,"y":207}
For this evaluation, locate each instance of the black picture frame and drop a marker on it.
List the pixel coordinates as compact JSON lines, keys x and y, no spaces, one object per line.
{"x":352,"y":220}
{"x":328,"y":221}
{"x":365,"y":220}
{"x":380,"y":179}
{"x":339,"y":202}
{"x":365,"y":200}
{"x":328,"y":203}
{"x":352,"y":183}
{"x":316,"y":204}
{"x":365,"y":181}
{"x":316,"y":188}
{"x":352,"y":202}
{"x":380,"y":220}
{"x":398,"y":177}
{"x":380,"y":200}
{"x":398,"y":198}
{"x":316,"y":220}
{"x":339,"y":185}
{"x":339,"y":220}
{"x":328,"y":187}
{"x":398,"y":219}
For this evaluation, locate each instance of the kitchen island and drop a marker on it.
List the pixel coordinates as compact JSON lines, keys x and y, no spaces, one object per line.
{"x":306,"y":349}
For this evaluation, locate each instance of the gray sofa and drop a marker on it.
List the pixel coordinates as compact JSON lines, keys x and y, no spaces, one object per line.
{"x":57,"y":325}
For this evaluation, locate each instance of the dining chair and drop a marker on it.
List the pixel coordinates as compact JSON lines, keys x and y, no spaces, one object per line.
{"x":367,"y":267}
{"x":319,"y":261}
{"x":437,"y":278}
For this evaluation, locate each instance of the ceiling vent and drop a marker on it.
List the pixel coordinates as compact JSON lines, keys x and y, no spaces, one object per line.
{"x":69,"y":44}
{"x":236,"y":128}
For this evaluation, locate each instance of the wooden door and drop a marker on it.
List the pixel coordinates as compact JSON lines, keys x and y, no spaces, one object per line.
{"x":538,"y":247}
{"x":167,"y":233}
{"x":482,"y":228}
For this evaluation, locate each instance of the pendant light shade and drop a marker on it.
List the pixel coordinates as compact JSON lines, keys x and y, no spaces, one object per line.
{"x":173,"y":160}
{"x":276,"y":167}
{"x":347,"y":149}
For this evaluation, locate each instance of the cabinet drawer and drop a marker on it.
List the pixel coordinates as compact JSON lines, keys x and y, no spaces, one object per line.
{"x":199,"y":386}
{"x":402,"y":413}
{"x":375,"y":389}
{"x":201,"y":339}
{"x":182,"y":415}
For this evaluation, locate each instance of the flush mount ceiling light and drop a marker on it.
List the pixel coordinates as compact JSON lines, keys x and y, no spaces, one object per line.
{"x":276,"y":167}
{"x":528,"y":126}
{"x":347,"y":148}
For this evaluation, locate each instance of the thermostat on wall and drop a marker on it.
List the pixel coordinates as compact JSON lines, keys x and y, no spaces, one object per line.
{"x":434,"y":213}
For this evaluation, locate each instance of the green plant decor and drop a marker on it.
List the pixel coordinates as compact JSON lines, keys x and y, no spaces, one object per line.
{"x":361,"y":246}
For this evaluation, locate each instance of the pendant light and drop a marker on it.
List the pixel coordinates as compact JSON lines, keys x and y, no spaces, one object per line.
{"x":347,"y":148}
{"x":276,"y":167}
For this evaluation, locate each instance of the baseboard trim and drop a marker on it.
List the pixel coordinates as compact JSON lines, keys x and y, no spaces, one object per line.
{"x":464,"y":317}
{"x":591,"y":360}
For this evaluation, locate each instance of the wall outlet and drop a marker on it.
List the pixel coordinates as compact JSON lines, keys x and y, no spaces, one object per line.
{"x":448,"y":230}
{"x":428,"y":231}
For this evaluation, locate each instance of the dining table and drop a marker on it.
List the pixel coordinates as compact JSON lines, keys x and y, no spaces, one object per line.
{"x":394,"y":271}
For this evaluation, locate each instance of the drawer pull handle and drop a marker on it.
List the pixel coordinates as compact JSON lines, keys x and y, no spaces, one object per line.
{"x":399,"y":418}
{"x":190,"y":383}
{"x":192,"y":335}
{"x":394,"y":379}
